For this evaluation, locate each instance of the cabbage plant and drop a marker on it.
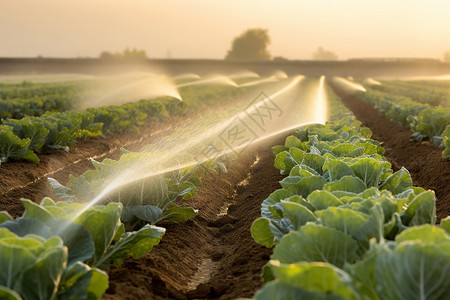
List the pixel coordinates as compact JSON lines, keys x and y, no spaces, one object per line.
{"x":57,"y":250}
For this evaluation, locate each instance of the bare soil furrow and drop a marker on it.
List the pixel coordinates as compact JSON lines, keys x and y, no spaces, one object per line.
{"x":215,"y":251}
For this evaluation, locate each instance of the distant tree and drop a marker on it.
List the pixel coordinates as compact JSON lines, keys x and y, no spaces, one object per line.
{"x":279,"y":58}
{"x":447,"y":57}
{"x":322,"y":54}
{"x":134,"y":54}
{"x":128,"y":54}
{"x":106,"y":55}
{"x":251,"y":44}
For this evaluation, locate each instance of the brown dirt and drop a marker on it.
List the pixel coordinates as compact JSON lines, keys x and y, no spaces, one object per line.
{"x":212,"y":256}
{"x":425,"y":163}
{"x":26,"y":180}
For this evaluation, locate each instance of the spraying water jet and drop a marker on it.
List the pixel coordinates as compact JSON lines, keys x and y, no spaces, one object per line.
{"x":244,"y":74}
{"x":181,"y":149}
{"x":143,"y":88}
{"x":320,"y":111}
{"x":256,"y":82}
{"x":280,"y":74}
{"x":186,"y":76}
{"x":220,"y":80}
{"x":371,"y":81}
{"x":349,"y":85}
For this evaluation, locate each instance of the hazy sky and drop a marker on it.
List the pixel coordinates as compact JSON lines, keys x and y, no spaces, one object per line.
{"x":205,"y":28}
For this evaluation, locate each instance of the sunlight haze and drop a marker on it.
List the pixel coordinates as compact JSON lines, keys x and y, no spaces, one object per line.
{"x":205,"y":29}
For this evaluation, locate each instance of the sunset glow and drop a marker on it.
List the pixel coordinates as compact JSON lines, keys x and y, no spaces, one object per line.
{"x":204,"y":29}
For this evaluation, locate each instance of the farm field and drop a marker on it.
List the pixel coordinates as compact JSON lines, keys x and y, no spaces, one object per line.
{"x":197,"y":163}
{"x":422,"y":160}
{"x":229,"y":150}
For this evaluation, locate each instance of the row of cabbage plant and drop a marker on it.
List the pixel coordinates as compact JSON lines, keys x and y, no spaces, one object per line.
{"x":345,"y":226}
{"x":428,"y":123}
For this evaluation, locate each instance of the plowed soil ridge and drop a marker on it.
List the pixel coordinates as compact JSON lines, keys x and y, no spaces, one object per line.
{"x":222,"y":243}
{"x":212,"y":256}
{"x":26,"y":180}
{"x":425,"y":163}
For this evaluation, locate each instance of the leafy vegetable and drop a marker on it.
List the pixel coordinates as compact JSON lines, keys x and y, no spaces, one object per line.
{"x":13,"y":147}
{"x":31,"y":266}
{"x":365,"y":219}
{"x":147,"y":200}
{"x":87,"y":232}
{"x":307,"y":281}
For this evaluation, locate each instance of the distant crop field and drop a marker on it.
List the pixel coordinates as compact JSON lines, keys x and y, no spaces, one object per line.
{"x":154,"y":186}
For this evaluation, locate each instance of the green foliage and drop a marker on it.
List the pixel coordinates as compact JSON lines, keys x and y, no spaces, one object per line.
{"x":410,"y":268}
{"x":396,"y":108}
{"x":8,"y":294}
{"x":345,"y":169}
{"x":322,"y":54}
{"x":251,"y":44}
{"x":82,"y":282}
{"x":445,"y":224}
{"x":371,"y":214}
{"x":62,"y":244}
{"x":13,"y":147}
{"x":261,"y":232}
{"x":425,"y":92}
{"x":34,"y":99}
{"x":56,"y":129}
{"x":87,"y":232}
{"x":315,"y":281}
{"x":127,"y":54}
{"x":149,"y":199}
{"x":31,"y":265}
{"x":446,"y":142}
{"x":430,"y":124}
{"x":134,"y":244}
{"x":427,"y":123}
{"x":366,"y":234}
{"x":5,"y":216}
{"x":314,"y":242}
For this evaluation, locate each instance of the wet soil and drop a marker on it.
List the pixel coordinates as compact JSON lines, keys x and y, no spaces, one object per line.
{"x":26,"y":180}
{"x":425,"y":163}
{"x":212,"y":256}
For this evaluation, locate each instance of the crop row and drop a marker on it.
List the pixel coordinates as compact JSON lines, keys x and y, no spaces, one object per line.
{"x":68,"y":244}
{"x":31,"y":99}
{"x":57,"y":250}
{"x":344,"y":226}
{"x":22,"y":138}
{"x":441,"y":84}
{"x":29,"y":90}
{"x":426,"y":122}
{"x":419,"y":92}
